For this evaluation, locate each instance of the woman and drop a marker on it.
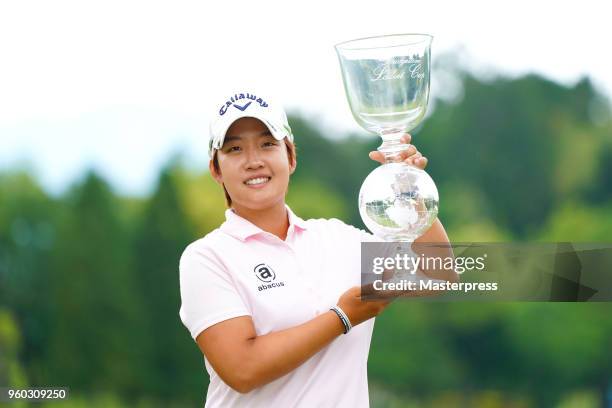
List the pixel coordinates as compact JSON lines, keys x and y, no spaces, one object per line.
{"x":273,"y":301}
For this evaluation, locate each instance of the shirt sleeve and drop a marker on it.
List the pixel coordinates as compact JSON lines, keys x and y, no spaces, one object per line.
{"x":208,"y":293}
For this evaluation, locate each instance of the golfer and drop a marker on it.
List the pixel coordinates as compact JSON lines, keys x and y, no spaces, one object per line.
{"x":272,"y":300}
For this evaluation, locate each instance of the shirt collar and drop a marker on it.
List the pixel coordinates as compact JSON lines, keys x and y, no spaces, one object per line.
{"x":242,"y":229}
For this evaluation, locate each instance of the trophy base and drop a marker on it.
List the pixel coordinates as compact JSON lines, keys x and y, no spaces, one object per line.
{"x":398,"y":202}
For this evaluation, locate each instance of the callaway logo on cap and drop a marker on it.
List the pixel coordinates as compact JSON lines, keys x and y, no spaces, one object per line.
{"x":247,"y":104}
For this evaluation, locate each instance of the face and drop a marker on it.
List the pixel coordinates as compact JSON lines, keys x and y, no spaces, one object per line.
{"x":254,"y":167}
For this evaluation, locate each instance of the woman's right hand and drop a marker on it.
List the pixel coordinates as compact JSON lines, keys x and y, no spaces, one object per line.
{"x":359,"y":311}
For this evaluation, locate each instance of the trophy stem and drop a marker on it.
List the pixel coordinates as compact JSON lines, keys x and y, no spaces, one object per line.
{"x":392,"y":145}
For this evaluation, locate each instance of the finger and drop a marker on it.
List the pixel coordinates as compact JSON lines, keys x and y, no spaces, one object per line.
{"x":412,"y":159}
{"x":404,"y":155}
{"x":406,"y":138}
{"x":377,"y":156}
{"x":421,"y":162}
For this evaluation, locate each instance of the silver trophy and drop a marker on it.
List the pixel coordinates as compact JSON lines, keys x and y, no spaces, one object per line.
{"x":386,"y":80}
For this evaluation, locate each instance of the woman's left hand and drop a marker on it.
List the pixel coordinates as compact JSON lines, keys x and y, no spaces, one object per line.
{"x":409,"y":156}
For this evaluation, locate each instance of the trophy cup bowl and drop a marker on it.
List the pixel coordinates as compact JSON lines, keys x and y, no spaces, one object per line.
{"x":386,"y":80}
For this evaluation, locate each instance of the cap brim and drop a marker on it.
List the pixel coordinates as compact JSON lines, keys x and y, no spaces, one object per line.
{"x":278,"y":134}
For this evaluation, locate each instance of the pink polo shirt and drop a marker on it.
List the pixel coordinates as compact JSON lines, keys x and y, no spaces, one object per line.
{"x":241,"y":270}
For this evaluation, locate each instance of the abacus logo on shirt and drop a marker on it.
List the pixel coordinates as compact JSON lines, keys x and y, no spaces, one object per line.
{"x":266,"y":274}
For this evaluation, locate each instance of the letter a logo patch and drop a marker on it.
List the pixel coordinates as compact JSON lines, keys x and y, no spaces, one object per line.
{"x":264,"y":273}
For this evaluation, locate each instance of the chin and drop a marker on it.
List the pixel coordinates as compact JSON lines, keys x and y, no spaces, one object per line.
{"x":261,"y":203}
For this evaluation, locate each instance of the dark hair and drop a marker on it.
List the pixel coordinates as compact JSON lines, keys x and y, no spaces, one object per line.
{"x":291,"y":154}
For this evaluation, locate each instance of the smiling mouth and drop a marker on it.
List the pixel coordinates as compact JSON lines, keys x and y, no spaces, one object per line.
{"x":257,"y":181}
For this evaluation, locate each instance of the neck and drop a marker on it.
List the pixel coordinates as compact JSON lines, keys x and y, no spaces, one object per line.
{"x":274,"y":220}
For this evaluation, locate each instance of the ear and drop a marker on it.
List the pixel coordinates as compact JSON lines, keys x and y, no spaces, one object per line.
{"x":213,"y":172}
{"x":292,"y":159}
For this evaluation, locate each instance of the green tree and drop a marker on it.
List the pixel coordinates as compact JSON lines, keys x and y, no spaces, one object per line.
{"x":27,"y":235}
{"x":578,"y":222}
{"x":337,"y":165}
{"x":11,"y":371}
{"x":174,"y":364}
{"x":90,"y":347}
{"x":516,"y":141}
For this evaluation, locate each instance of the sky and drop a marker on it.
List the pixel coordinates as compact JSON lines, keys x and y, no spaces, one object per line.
{"x":121,"y":86}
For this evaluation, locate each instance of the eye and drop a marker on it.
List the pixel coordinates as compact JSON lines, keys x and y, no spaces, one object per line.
{"x":268,"y":144}
{"x":233,"y":149}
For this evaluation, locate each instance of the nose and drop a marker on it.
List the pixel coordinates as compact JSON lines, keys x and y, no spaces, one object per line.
{"x":253,"y":159}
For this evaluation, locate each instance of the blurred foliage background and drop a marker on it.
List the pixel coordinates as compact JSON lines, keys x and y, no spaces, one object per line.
{"x":89,"y":293}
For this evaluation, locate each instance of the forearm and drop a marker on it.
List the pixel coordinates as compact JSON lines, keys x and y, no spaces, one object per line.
{"x":435,"y":234}
{"x":273,"y":355}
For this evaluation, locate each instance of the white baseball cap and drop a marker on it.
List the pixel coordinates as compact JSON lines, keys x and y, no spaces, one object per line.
{"x":243,"y":105}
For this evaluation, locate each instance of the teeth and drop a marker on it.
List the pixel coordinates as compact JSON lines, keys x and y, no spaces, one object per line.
{"x":259,"y":180}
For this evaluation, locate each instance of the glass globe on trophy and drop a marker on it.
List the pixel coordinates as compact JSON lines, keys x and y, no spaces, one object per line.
{"x":386,"y":80}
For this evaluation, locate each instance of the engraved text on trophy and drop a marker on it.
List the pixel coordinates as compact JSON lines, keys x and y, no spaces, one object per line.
{"x":397,"y":68}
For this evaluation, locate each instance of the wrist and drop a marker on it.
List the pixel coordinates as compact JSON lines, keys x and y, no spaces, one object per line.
{"x":342,"y":316}
{"x":338,"y":326}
